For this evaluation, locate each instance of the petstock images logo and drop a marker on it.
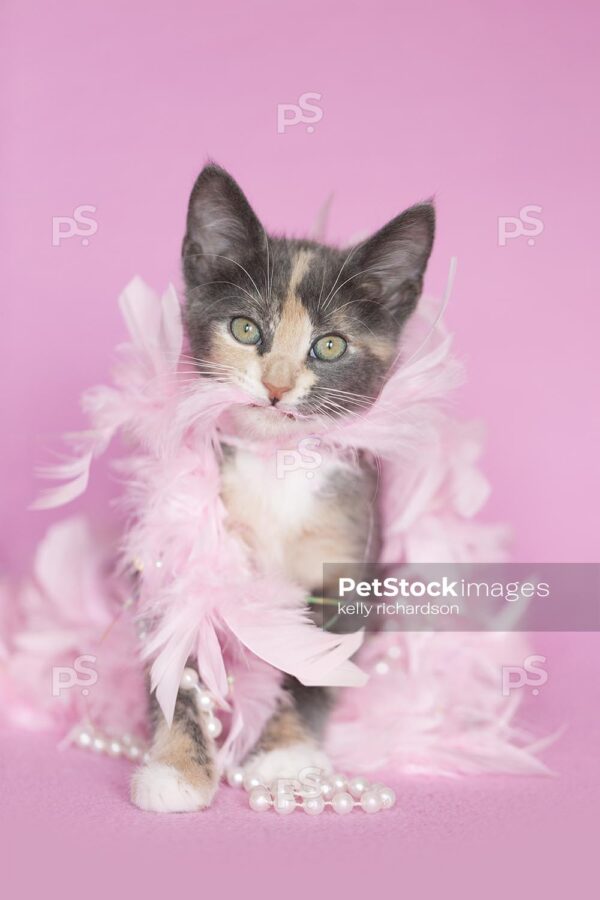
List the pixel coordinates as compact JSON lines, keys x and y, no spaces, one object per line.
{"x":461,"y":597}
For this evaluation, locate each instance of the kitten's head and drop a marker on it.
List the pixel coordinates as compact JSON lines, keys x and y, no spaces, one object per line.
{"x":308,"y":331}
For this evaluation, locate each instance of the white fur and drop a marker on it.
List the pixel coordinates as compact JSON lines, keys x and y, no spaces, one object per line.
{"x":160,"y":788}
{"x":271,"y":502}
{"x":288,"y":762}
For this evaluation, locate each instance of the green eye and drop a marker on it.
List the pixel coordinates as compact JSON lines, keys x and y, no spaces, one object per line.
{"x":245,"y":330}
{"x":329,"y":348}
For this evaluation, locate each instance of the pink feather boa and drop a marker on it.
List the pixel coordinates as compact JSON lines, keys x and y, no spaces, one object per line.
{"x":198,"y":595}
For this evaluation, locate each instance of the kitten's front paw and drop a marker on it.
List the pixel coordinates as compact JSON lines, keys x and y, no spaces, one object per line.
{"x":157,"y":787}
{"x":287,"y":762}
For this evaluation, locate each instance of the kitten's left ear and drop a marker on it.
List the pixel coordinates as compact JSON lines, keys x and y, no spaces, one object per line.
{"x":390,"y":265}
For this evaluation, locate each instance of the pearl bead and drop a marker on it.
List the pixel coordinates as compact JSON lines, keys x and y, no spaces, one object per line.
{"x":235,"y":777}
{"x":342,"y":803}
{"x":84,"y":739}
{"x":251,"y":781}
{"x":339,"y":782}
{"x":214,"y":727}
{"x":133,"y":752}
{"x":205,"y":701}
{"x":99,"y":744}
{"x":313,"y":805}
{"x":307,"y":788}
{"x":189,"y":679}
{"x":259,"y":799}
{"x":357,"y":786}
{"x":114,"y":748}
{"x":370,"y":802}
{"x":387,"y":797}
{"x":382,"y":668}
{"x":327,"y":789}
{"x":284,"y":804}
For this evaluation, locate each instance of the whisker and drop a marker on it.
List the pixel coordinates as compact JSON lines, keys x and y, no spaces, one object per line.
{"x":256,"y":301}
{"x":348,"y":393}
{"x":362,"y":405}
{"x":356,"y":275}
{"x":368,"y":402}
{"x":208,"y":363}
{"x":366,"y":399}
{"x":235,"y":262}
{"x":344,"y":410}
{"x":269,"y":279}
{"x":361,"y":300}
{"x":350,"y":252}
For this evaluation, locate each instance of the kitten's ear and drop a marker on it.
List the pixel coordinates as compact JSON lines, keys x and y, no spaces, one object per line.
{"x":221,"y":224}
{"x":392,"y":262}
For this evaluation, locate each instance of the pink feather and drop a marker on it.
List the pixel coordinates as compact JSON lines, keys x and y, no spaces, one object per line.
{"x":200,"y":596}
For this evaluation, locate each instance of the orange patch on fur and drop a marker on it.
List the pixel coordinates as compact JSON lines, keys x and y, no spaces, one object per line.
{"x":285,"y":364}
{"x":283,"y":729}
{"x":175,"y":747}
{"x":383,"y":348}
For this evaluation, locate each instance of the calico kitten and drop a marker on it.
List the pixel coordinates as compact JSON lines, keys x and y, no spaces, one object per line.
{"x":309,"y":332}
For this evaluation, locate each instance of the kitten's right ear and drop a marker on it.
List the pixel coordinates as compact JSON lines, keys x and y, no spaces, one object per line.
{"x":221,"y":224}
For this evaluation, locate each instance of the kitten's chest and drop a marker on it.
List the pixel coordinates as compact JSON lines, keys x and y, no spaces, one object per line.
{"x":274,"y":508}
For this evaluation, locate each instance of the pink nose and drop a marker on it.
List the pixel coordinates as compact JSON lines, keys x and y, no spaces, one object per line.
{"x":276,"y":391}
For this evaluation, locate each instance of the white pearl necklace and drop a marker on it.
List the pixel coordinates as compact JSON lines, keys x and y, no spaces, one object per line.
{"x":190,"y":681}
{"x":338,"y":792}
{"x":89,"y":737}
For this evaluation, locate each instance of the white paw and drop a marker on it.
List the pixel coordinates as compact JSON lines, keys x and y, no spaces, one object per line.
{"x":287,"y":762}
{"x":160,"y":788}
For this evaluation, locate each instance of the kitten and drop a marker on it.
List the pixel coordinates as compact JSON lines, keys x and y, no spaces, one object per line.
{"x":309,"y":332}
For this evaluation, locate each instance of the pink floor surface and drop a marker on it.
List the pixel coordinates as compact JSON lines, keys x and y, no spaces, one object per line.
{"x":477,"y":836}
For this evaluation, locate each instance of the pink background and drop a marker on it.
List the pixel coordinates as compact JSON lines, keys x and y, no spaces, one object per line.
{"x":489,"y":106}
